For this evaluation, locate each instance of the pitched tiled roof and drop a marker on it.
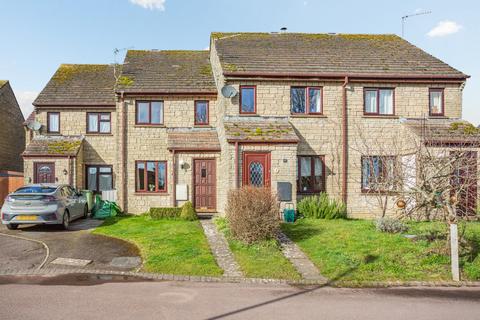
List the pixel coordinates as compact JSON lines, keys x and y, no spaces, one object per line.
{"x":167,"y":72}
{"x":30,"y":118}
{"x":444,"y":131}
{"x":192,"y":139}
{"x":259,"y":129}
{"x":3,"y":82}
{"x":79,"y":84}
{"x":314,"y":54}
{"x":54,"y":146}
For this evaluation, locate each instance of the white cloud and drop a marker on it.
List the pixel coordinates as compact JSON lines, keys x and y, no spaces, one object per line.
{"x":150,"y":4}
{"x":25,"y":99}
{"x":444,"y":28}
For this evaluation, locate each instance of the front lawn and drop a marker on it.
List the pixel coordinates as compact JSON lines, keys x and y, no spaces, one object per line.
{"x":260,"y":260}
{"x":352,"y":250}
{"x":167,"y":246}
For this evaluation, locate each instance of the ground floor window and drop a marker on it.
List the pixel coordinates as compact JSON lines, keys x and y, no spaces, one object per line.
{"x":151,"y":176}
{"x":311,"y":174}
{"x":99,"y":178}
{"x":378,"y":173}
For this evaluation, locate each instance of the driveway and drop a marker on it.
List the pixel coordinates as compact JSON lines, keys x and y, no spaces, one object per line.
{"x":76,"y":243}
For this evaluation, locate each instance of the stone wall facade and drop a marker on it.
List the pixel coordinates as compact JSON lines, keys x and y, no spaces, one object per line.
{"x":12,"y":134}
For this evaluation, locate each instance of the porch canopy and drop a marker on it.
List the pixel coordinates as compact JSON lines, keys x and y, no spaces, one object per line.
{"x":259,"y":130}
{"x":192,"y":139}
{"x":54,"y":146}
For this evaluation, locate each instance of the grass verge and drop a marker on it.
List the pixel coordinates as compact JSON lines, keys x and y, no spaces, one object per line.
{"x":167,"y":246}
{"x":352,"y":250}
{"x":260,"y":260}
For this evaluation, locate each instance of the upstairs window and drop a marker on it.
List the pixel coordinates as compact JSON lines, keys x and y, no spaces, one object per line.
{"x":379,"y":101}
{"x":306,"y":100}
{"x":201,"y":112}
{"x":378,"y":173}
{"x":311,"y":174}
{"x":248,"y":99}
{"x":436,"y":97}
{"x":149,"y":112}
{"x":98,"y":122}
{"x":53,"y":122}
{"x":151,"y":176}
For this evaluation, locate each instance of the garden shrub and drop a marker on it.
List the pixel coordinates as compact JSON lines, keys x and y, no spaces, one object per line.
{"x":188,"y":212}
{"x":322,"y":207}
{"x":390,"y":225}
{"x":162,"y":213}
{"x":253,"y":214}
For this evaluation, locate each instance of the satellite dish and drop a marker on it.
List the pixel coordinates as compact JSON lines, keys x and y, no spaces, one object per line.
{"x":229,"y":92}
{"x":35,"y":125}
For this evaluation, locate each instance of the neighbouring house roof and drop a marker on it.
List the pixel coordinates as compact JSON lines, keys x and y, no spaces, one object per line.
{"x":445,"y":131}
{"x":3,"y":82}
{"x":192,"y":139}
{"x":316,"y":54}
{"x":51,"y":146}
{"x":259,"y":129}
{"x":167,"y":72}
{"x":30,"y":118}
{"x":79,"y":85}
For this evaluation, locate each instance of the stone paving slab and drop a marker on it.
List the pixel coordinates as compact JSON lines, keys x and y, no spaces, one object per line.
{"x":220,"y":249}
{"x":300,"y":261}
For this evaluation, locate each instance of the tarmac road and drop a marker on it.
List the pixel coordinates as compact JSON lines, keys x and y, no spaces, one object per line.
{"x":86,"y":297}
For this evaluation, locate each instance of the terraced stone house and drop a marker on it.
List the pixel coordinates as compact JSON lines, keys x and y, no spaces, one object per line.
{"x":282,"y":110}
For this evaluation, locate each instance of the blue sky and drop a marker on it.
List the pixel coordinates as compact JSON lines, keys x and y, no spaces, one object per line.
{"x":37,"y":35}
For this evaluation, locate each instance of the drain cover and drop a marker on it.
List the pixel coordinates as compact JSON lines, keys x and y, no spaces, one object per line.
{"x":71,"y":262}
{"x":126,"y":262}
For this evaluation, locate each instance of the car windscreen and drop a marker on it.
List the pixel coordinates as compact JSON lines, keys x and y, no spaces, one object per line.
{"x":35,"y":189}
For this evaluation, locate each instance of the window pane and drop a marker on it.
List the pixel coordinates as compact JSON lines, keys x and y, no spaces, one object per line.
{"x":92,"y":179}
{"x":297,"y":97}
{"x":436,"y":102}
{"x":54,"y":122}
{"x":386,"y":102}
{"x":315,"y":100}
{"x":201,"y":112}
{"x":143,"y":112}
{"x":248,"y":99}
{"x":140,"y":176}
{"x":370,"y":101}
{"x":306,"y":183}
{"x":105,"y":116}
{"x":105,"y":182}
{"x":318,"y":166}
{"x":104,"y":127}
{"x":157,"y":112}
{"x":92,"y":122}
{"x":105,"y":170}
{"x":151,"y":176}
{"x":162,"y":177}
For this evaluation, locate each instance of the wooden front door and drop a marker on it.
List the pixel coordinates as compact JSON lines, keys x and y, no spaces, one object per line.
{"x":44,"y":172}
{"x":205,"y":185}
{"x":256,"y":169}
{"x":464,"y":180}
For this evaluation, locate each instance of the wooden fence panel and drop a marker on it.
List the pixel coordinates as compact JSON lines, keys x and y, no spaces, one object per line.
{"x":9,"y":182}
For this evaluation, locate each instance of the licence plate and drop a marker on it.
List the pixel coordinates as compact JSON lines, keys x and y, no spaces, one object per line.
{"x":26,"y":218}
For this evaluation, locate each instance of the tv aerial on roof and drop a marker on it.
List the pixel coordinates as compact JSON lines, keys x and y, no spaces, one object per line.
{"x":229,"y":91}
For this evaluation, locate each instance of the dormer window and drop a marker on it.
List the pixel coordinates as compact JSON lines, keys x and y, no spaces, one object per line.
{"x":248,"y":99}
{"x":437,"y":106}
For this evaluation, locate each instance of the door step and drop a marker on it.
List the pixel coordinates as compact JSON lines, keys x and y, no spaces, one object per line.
{"x":71,"y":262}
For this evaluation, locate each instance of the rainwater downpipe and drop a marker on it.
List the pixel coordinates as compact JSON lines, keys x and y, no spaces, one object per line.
{"x":344,"y":142}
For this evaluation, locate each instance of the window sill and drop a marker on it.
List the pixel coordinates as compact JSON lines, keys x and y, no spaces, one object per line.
{"x":151,"y":194}
{"x":248,"y":115}
{"x":376,"y":193}
{"x":380,"y":116}
{"x":149,"y":126}
{"x":437,"y":117}
{"x":202,"y":126}
{"x":309,"y":193}
{"x":99,"y":134}
{"x":293,"y":115}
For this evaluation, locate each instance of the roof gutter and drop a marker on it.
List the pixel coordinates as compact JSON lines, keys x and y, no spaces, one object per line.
{"x":170,"y":93}
{"x":351,"y":76}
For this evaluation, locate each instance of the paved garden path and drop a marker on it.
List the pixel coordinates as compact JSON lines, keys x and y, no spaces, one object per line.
{"x":220,"y":249}
{"x":300,"y":261}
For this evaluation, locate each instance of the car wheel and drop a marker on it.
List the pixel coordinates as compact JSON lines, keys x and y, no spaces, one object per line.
{"x":85,"y":212}
{"x":66,"y":220}
{"x":12,"y":226}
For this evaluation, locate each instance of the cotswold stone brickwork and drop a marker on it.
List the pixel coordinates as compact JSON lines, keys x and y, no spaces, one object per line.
{"x":178,"y":78}
{"x":12,"y":134}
